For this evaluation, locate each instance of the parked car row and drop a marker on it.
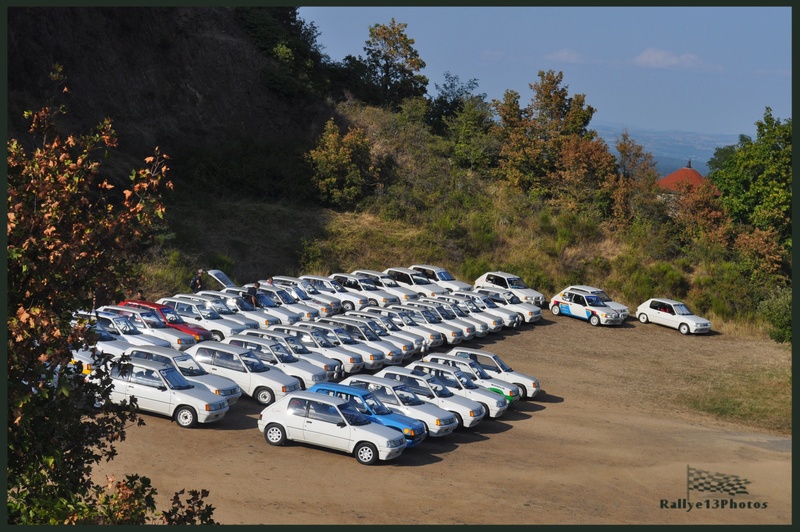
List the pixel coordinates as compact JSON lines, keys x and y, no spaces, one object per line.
{"x":377,"y":416}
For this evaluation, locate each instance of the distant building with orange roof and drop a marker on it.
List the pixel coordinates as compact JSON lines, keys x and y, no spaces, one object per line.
{"x":672,"y":182}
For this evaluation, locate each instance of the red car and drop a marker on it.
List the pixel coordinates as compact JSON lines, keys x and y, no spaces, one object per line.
{"x":172,"y":318}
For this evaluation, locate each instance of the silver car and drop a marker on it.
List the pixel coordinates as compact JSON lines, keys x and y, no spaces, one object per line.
{"x":275,"y":354}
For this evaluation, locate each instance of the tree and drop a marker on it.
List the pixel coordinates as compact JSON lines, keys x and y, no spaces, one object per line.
{"x":71,"y":235}
{"x":393,"y":64}
{"x":343,"y":169}
{"x":755,"y":181}
{"x":634,"y":192}
{"x":452,"y":97}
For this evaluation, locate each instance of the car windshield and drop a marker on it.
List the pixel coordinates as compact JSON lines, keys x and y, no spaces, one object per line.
{"x":337,"y":286}
{"x":516,"y":282}
{"x":221,"y":307}
{"x":309,"y":288}
{"x":500,"y":364}
{"x":408,"y":320}
{"x":343,"y":337}
{"x":353,"y":416}
{"x":429,"y":316}
{"x":594,"y":301}
{"x":478,"y":370}
{"x":488,"y":303}
{"x":296,"y":346}
{"x":376,"y":405}
{"x":253,"y":363}
{"x":283,"y":354}
{"x":388,"y":282}
{"x":469,"y":305}
{"x":153,"y":320}
{"x":241,"y":303}
{"x":457,"y":310}
{"x":439,"y":387}
{"x":298,"y":292}
{"x":367,"y":284}
{"x":321,"y":339}
{"x":406,"y":396}
{"x":419,"y":279}
{"x":378,"y":328}
{"x":171,"y":316}
{"x":389,"y":325}
{"x":602,"y":295}
{"x":445,"y":312}
{"x":174,"y":379}
{"x":682,"y":310}
{"x":208,"y":312}
{"x":99,"y":333}
{"x":284,"y":296}
{"x":265,"y":301}
{"x":444,"y":275}
{"x":465,"y":381}
{"x":125,"y":326}
{"x":189,"y":366}
{"x":511,"y":298}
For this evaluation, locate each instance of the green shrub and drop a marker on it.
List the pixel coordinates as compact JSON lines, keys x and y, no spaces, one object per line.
{"x":777,"y":311}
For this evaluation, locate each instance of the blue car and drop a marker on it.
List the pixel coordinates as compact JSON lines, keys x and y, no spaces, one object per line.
{"x":374,"y":410}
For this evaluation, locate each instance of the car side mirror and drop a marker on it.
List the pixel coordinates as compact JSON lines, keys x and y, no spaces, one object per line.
{"x":162,"y":388}
{"x":341,"y":424}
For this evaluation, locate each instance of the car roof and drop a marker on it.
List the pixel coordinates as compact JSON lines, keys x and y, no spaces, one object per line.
{"x":401,"y":370}
{"x":434,"y":365}
{"x":344,"y":388}
{"x":665,"y":300}
{"x":252,"y":338}
{"x":288,"y":278}
{"x":470,"y":350}
{"x":315,"y":277}
{"x":447,"y":356}
{"x":213,"y":344}
{"x":305,"y":394}
{"x":583,"y":287}
{"x":501,"y":274}
{"x":156,"y":349}
{"x":403,"y":270}
{"x":150,"y":364}
{"x":375,"y":380}
{"x":215,"y":293}
{"x":134,"y":303}
{"x":369,"y":272}
{"x":427,"y":267}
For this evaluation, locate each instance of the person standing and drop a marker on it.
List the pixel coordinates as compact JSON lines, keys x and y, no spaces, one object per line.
{"x":197,"y":282}
{"x":252,"y":292}
{"x":140,"y":295}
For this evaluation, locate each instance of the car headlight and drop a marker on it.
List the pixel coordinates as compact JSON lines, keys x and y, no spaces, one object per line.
{"x":501,"y":403}
{"x":213,"y":407}
{"x":409,"y":432}
{"x":475,"y":413}
{"x":395,"y":443}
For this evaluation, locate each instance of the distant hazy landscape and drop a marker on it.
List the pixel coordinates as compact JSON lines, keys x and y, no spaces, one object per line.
{"x":671,"y":149}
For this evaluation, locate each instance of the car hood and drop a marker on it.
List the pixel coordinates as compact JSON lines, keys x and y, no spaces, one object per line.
{"x":201,"y":393}
{"x":400,"y":419}
{"x":458,"y":400}
{"x":427,"y":408}
{"x":619,"y":307}
{"x":221,"y":278}
{"x":377,"y":431}
{"x":215,"y":381}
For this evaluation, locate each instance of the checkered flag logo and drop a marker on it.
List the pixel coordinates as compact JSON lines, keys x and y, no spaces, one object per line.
{"x":700,"y":480}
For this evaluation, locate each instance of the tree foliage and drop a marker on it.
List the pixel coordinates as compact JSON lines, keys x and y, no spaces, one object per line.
{"x":755,"y":180}
{"x":71,"y":236}
{"x":343,"y":168}
{"x":393,"y":64}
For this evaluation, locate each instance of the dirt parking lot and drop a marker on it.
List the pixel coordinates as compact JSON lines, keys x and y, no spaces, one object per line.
{"x":606,"y":445}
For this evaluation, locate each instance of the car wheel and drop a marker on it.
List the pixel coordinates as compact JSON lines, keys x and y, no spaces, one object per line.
{"x":683,"y":328}
{"x":301,"y":381}
{"x":556,"y":310}
{"x":523,"y":391}
{"x":366,"y":453}
{"x":274,"y":434}
{"x":264,"y":396}
{"x":485,"y":409}
{"x":594,"y":319}
{"x":217,"y":336}
{"x":348,"y":306}
{"x":186,"y":417}
{"x":459,"y":419}
{"x":643,"y":318}
{"x":373,"y":302}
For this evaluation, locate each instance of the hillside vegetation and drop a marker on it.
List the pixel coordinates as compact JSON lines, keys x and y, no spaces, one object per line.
{"x":284,"y":162}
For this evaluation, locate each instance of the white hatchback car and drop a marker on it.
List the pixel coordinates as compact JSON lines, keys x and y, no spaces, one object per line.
{"x":441,"y":276}
{"x":364,"y":287}
{"x":513,"y":283}
{"x":529,"y":312}
{"x":672,"y":313}
{"x":203,"y":314}
{"x":149,"y":322}
{"x":161,"y":389}
{"x":242,"y":366}
{"x":384,"y":282}
{"x":621,"y":309}
{"x":474,"y":371}
{"x":399,"y":398}
{"x":529,"y":386}
{"x":333,"y":368}
{"x":350,"y":300}
{"x":460,"y":384}
{"x":416,"y":281}
{"x":584,"y":306}
{"x":428,"y":388}
{"x":330,"y":422}
{"x":189,"y":368}
{"x":274,"y":353}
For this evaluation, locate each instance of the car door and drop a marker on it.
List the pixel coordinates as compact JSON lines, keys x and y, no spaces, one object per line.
{"x":665,"y":315}
{"x":150,"y":390}
{"x":325,"y":426}
{"x":577,"y":307}
{"x":230,"y":366}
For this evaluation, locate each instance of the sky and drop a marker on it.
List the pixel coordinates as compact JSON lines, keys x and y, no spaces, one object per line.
{"x":709,"y":70}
